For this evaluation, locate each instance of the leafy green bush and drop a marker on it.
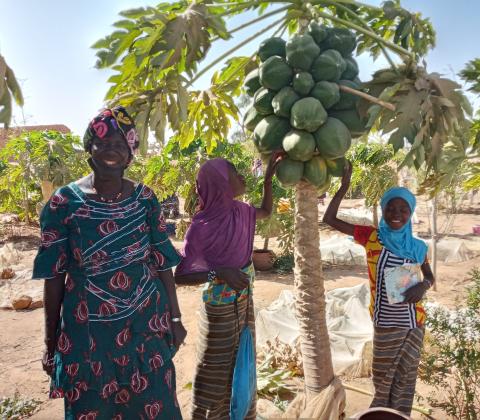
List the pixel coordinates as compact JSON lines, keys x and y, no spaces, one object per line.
{"x":451,"y":358}
{"x":16,"y":408}
{"x":32,"y":160}
{"x":284,"y":264}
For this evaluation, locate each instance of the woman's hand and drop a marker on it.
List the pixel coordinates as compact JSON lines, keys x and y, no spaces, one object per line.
{"x":234,"y":277}
{"x":179,"y":333}
{"x":275,"y":158}
{"x":415,"y":293}
{"x":47,"y":362}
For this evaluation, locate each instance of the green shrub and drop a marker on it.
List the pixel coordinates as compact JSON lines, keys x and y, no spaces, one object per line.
{"x":451,"y":357}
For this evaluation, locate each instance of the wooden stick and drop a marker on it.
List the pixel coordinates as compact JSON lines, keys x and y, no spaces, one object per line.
{"x":423,"y":410}
{"x":368,"y":97}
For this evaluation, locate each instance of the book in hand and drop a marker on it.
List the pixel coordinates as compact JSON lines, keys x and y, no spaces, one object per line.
{"x":399,"y":279}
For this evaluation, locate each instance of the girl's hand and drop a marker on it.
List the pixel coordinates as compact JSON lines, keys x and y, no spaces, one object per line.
{"x":179,"y":333}
{"x":415,"y":293}
{"x":347,"y":175}
{"x":275,"y":158}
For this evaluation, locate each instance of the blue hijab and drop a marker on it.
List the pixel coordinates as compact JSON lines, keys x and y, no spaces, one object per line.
{"x":401,"y":242}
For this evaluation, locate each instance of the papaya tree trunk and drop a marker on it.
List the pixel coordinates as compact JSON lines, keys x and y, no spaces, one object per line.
{"x":309,"y":293}
{"x":47,"y":188}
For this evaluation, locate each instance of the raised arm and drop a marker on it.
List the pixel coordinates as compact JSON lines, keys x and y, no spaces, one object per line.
{"x":265,"y":210}
{"x":330,"y":216}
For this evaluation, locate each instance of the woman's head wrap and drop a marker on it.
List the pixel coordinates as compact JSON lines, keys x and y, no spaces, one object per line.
{"x":109,"y":122}
{"x":401,"y":241}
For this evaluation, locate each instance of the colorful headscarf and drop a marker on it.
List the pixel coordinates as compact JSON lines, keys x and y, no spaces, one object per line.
{"x":221,"y":233}
{"x":401,"y":241}
{"x":109,"y":122}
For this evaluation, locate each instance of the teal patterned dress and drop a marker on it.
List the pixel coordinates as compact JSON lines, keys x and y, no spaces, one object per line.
{"x":114,"y":344}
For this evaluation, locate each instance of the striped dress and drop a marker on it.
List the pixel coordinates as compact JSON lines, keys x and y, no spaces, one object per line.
{"x":398,"y":329}
{"x":220,"y":323}
{"x":114,"y":351}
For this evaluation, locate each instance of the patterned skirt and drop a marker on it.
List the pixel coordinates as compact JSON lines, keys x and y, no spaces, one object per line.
{"x":219,"y":331}
{"x":396,"y":355}
{"x":156,"y":401}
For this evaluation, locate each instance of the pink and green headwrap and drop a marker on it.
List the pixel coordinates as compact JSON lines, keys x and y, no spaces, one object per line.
{"x":109,"y":122}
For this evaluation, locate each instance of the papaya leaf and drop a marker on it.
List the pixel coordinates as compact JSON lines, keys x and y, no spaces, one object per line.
{"x":9,"y":90}
{"x":471,"y":74}
{"x":429,"y":111}
{"x":13,"y":86}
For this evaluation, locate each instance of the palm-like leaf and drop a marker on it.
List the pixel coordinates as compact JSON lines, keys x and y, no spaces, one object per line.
{"x":9,"y":89}
{"x":156,"y":52}
{"x":429,"y":111}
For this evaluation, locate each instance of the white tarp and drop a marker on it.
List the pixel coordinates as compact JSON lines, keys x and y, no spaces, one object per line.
{"x":451,"y":250}
{"x":364,"y":216}
{"x":341,"y":250}
{"x":356,"y":216}
{"x":348,"y":321}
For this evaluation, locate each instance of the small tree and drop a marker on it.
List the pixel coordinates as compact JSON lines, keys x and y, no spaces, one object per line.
{"x":451,"y":357}
{"x":35,"y":163}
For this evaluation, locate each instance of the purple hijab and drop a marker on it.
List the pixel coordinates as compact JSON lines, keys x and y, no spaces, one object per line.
{"x":221,"y":233}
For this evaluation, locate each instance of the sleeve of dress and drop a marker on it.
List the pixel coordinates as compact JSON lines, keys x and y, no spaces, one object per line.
{"x":54,"y":252}
{"x":362,"y":233}
{"x":164,"y":253}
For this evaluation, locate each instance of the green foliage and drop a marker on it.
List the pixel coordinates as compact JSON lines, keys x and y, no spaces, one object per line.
{"x":35,"y":157}
{"x":430,"y":116}
{"x":16,"y":408}
{"x":451,"y":358}
{"x":9,"y":88}
{"x":155,"y":53}
{"x":471,"y":74}
{"x":284,"y":264}
{"x":374,"y":170}
{"x":271,"y":382}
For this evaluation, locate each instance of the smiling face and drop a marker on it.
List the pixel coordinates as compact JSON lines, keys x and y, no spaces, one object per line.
{"x":397,"y":213}
{"x":236,"y":181}
{"x":111,"y":152}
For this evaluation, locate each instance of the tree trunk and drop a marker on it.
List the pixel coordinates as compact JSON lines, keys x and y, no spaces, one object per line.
{"x":265,"y":243}
{"x":48,"y":189}
{"x":375,"y":215}
{"x":309,"y":293}
{"x":434,"y":240}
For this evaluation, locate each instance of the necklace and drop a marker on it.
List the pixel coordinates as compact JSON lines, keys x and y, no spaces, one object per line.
{"x":108,"y":200}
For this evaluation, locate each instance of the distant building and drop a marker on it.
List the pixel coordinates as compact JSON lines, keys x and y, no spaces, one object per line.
{"x":16,"y":131}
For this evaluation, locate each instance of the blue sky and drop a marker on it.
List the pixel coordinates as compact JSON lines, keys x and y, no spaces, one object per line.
{"x":47,"y":43}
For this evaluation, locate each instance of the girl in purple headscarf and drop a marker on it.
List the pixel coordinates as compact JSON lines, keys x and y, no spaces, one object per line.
{"x":217,"y":251}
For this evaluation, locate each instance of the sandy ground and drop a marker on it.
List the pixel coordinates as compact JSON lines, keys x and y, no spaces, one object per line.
{"x":21,"y":341}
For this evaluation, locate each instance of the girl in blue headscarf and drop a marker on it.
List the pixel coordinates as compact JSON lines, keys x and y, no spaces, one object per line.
{"x":398,"y":327}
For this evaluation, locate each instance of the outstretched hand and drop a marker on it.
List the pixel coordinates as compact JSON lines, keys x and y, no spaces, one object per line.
{"x":274,"y":160}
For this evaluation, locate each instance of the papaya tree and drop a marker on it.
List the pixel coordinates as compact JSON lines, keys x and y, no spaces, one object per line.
{"x":9,"y":88}
{"x":157,"y":54}
{"x":34,"y":164}
{"x":471,"y":75}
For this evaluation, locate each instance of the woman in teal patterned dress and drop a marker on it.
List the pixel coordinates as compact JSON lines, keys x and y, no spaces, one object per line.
{"x":112,"y":321}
